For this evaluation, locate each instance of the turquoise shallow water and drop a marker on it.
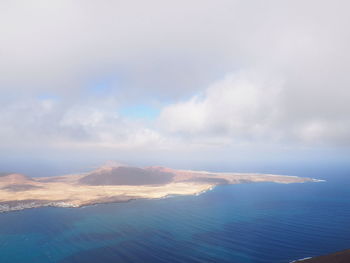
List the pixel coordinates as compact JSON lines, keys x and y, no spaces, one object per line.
{"x":252,"y":223}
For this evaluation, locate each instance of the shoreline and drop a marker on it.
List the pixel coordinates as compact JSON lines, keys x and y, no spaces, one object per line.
{"x":33,"y":204}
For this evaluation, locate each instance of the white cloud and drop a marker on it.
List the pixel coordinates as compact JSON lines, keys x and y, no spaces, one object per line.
{"x":241,"y":105}
{"x":36,"y":122}
{"x":222,"y":73}
{"x":255,"y":108}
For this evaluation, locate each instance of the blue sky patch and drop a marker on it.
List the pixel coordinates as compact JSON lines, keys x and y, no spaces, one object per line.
{"x":140,"y":112}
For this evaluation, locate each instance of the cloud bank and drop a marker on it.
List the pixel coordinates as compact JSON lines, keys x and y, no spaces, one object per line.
{"x":218,"y":74}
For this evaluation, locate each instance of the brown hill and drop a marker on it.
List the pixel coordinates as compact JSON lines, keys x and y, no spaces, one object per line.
{"x":125,"y":175}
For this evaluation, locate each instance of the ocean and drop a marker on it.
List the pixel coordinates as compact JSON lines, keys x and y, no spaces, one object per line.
{"x":246,"y":223}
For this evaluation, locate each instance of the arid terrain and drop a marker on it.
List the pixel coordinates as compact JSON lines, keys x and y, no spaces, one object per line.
{"x":116,"y":183}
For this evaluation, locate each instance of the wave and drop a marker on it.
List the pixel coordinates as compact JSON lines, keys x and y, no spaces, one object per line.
{"x":298,"y":260}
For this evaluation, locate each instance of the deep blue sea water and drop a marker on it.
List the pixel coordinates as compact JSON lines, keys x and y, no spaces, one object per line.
{"x":247,"y":223}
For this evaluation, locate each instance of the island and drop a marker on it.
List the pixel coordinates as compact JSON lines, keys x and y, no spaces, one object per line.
{"x":118,"y":183}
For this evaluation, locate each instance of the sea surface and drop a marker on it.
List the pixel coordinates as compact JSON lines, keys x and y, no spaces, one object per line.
{"x":246,"y":223}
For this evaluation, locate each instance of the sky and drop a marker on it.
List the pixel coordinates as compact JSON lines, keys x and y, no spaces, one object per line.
{"x":185,"y":84}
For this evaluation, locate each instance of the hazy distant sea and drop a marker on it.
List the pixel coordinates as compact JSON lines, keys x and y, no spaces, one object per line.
{"x":252,"y":223}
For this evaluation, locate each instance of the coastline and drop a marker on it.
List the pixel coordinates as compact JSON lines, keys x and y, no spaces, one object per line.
{"x":6,"y":208}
